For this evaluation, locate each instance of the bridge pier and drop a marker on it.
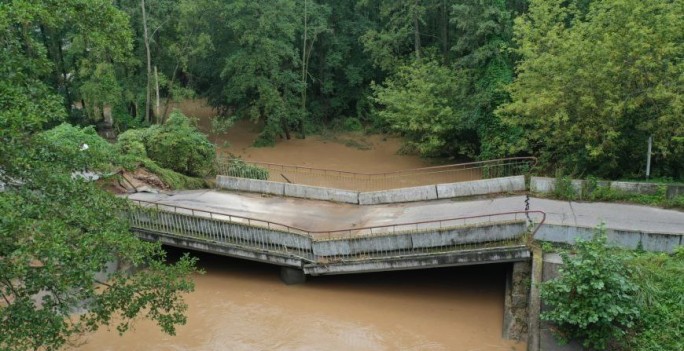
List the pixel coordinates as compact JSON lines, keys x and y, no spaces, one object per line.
{"x":292,"y":276}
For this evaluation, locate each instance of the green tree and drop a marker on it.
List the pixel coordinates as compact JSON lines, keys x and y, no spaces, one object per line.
{"x":418,"y":101}
{"x":398,"y":33}
{"x":58,"y":230}
{"x":596,"y":81}
{"x":261,"y":69}
{"x":483,"y":32}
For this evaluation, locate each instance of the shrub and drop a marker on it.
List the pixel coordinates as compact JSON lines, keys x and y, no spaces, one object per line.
{"x":77,"y":148}
{"x":176,"y":145}
{"x":132,"y":142}
{"x":594,"y":298}
{"x":563,"y":188}
{"x":352,"y":124}
{"x":238,"y":168}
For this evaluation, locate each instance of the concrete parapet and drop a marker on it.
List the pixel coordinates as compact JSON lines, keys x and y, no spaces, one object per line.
{"x":220,"y":231}
{"x":481,"y":187}
{"x":545,"y":185}
{"x":423,"y":240}
{"x":444,"y":259}
{"x":419,"y":193}
{"x":468,"y":235}
{"x":318,"y":193}
{"x":674,"y":190}
{"x":628,"y":239}
{"x":636,"y":188}
{"x":250,"y":185}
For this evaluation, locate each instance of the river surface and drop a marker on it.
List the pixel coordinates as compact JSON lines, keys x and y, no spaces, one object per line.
{"x":242,"y":305}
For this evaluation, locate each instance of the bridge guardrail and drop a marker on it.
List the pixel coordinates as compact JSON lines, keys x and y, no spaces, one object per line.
{"x":399,"y":239}
{"x":365,"y":182}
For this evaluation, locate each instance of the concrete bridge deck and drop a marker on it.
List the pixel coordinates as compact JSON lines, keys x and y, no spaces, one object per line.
{"x":316,"y":215}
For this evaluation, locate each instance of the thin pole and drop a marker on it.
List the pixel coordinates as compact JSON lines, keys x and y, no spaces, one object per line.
{"x":648,"y":157}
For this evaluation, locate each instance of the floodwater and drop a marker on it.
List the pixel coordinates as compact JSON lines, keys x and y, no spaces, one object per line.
{"x":242,"y":305}
{"x":352,"y":152}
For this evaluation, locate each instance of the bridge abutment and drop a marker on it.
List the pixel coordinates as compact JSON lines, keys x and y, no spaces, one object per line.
{"x":292,"y":276}
{"x":516,"y":300}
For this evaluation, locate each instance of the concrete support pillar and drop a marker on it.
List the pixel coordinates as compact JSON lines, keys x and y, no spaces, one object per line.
{"x":534,"y":305}
{"x":291,"y":276}
{"x":516,"y":301}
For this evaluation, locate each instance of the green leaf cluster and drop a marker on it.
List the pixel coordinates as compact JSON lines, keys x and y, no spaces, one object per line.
{"x":417,"y":101}
{"x":594,"y":299}
{"x":176,"y":145}
{"x":619,"y":300}
{"x":596,"y":81}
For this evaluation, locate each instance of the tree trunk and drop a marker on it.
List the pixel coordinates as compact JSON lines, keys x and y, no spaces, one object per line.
{"x":149,"y":62}
{"x":304,"y":68}
{"x":416,"y":30}
{"x":445,"y":30}
{"x":156,"y":105}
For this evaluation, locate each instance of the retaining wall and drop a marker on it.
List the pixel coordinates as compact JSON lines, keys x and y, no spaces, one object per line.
{"x":421,"y":193}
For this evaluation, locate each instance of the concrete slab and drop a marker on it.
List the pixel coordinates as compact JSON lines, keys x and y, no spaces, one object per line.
{"x":315,"y":215}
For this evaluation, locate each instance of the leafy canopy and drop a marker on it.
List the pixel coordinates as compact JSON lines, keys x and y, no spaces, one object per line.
{"x":596,"y":81}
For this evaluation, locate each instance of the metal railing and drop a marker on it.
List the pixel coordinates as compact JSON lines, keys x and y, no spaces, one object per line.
{"x":322,"y":247}
{"x":379,"y":181}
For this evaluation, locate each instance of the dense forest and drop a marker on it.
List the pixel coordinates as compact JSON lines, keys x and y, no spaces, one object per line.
{"x":581,"y":84}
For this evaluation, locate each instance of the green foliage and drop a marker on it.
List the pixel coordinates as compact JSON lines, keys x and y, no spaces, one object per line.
{"x":238,"y":168}
{"x":418,"y":102}
{"x":176,"y":145}
{"x":596,"y":81}
{"x":661,"y":288}
{"x":132,"y":142}
{"x":563,"y":188}
{"x":594,"y":299}
{"x":79,"y":148}
{"x":352,"y":124}
{"x":51,"y":243}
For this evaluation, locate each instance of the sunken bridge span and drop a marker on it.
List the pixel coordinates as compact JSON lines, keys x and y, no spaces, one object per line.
{"x":413,"y":219}
{"x":396,"y":244}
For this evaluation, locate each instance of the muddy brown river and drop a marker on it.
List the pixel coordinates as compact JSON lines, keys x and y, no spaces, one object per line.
{"x":242,"y":305}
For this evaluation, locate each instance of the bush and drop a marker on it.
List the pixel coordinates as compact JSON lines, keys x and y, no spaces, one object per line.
{"x":352,"y":124}
{"x":176,"y":145}
{"x":77,"y":148}
{"x":132,"y":142}
{"x":238,"y":168}
{"x":594,"y":299}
